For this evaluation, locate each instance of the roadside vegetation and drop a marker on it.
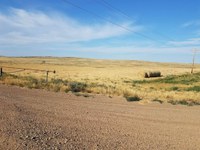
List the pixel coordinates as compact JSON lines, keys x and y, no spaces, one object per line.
{"x":185,"y":82}
{"x":85,"y":77}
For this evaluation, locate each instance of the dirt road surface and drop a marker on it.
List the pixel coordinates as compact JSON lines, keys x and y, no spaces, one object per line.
{"x":37,"y":119}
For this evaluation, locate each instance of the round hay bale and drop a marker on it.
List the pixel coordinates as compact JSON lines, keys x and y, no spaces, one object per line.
{"x":146,"y":75}
{"x":154,"y":74}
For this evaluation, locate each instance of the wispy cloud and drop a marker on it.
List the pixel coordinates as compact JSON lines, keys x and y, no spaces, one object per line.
{"x":191,"y":23}
{"x":195,"y":24}
{"x":189,"y":42}
{"x":24,"y":27}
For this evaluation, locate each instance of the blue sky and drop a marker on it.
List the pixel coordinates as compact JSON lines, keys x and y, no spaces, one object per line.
{"x":152,"y":30}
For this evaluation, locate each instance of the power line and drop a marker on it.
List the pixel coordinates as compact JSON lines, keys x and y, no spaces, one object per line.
{"x":164,"y":36}
{"x":108,"y":5}
{"x":111,"y":7}
{"x":107,"y":20}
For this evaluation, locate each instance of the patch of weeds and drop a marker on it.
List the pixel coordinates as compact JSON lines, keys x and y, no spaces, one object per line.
{"x":134,"y":85}
{"x":140,"y":81}
{"x":67,"y":90}
{"x":157,"y":100}
{"x":126,"y":81}
{"x":133,"y":98}
{"x":57,"y":81}
{"x":77,"y":86}
{"x":180,"y":79}
{"x":32,"y":82}
{"x":195,"y":103}
{"x":194,"y":88}
{"x":184,"y":102}
{"x":173,"y":102}
{"x":56,"y":88}
{"x":65,"y":82}
{"x":5,"y":75}
{"x":174,"y":88}
{"x":82,"y":94}
{"x":11,"y":75}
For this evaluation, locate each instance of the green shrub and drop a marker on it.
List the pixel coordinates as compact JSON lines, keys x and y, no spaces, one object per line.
{"x":133,"y":98}
{"x":77,"y":86}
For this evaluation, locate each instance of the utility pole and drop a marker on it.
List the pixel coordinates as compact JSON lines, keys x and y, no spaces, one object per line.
{"x":193,"y":60}
{"x":1,"y":72}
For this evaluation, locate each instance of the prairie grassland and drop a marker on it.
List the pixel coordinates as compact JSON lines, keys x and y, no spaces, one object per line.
{"x":109,"y":77}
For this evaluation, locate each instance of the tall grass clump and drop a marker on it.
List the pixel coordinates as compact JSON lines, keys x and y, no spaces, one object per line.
{"x":130,"y":96}
{"x":194,"y":88}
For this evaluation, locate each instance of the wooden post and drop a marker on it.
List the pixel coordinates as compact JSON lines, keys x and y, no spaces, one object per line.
{"x":47,"y":76}
{"x":1,"y":72}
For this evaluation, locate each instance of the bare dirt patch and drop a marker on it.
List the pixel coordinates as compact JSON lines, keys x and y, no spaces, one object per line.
{"x":37,"y":119}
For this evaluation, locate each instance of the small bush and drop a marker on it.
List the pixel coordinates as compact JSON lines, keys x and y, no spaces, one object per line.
{"x":77,"y":86}
{"x":133,"y":98}
{"x":184,"y":102}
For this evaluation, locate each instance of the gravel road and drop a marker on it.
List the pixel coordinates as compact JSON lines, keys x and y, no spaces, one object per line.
{"x":38,"y":119}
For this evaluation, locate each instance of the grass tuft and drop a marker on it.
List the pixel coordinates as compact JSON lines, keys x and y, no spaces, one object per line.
{"x":174,"y":88}
{"x":157,"y":100}
{"x":133,"y":98}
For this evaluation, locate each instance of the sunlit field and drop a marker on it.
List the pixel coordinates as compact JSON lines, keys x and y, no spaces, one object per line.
{"x":109,"y":77}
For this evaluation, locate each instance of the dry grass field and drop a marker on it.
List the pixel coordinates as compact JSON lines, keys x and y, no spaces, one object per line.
{"x":107,"y":77}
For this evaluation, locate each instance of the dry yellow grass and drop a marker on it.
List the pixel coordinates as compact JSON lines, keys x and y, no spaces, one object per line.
{"x":113,"y":76}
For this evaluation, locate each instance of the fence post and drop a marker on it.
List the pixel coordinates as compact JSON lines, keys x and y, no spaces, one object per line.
{"x":47,"y":76}
{"x":1,"y":72}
